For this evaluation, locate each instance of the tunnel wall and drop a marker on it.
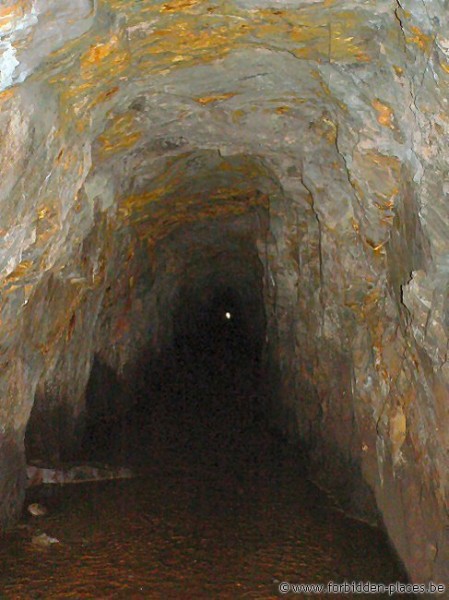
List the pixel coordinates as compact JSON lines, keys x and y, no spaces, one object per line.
{"x":353,"y":385}
{"x":97,"y":305}
{"x":337,"y":113}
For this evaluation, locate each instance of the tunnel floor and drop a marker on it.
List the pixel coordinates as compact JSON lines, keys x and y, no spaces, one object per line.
{"x":221,"y":508}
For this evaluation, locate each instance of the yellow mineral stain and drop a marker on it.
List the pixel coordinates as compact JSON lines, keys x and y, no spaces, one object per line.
{"x":6,"y":95}
{"x":183,"y":213}
{"x":181,"y":58}
{"x":48,"y":219}
{"x":182,"y":37}
{"x":102,"y":64}
{"x":325,"y":128}
{"x":385,"y":161}
{"x":421,"y":39}
{"x":369,"y":307}
{"x":180,"y":5}
{"x":215,"y":98}
{"x":81,"y":125}
{"x":385,"y":114}
{"x":378,"y":247}
{"x":393,"y":359}
{"x":382,"y":177}
{"x":225,"y":166}
{"x":74,"y":99}
{"x":104,"y":96}
{"x":125,"y":142}
{"x":10,"y":14}
{"x":137,"y":202}
{"x":355,"y":225}
{"x":121,"y":134}
{"x":281,"y":110}
{"x":323,"y":36}
{"x":228,"y":193}
{"x":398,"y":430}
{"x":20,"y":271}
{"x":99,"y":52}
{"x":82,"y":87}
{"x":62,"y":323}
{"x":43,"y":213}
{"x":388,"y":205}
{"x":60,"y":155}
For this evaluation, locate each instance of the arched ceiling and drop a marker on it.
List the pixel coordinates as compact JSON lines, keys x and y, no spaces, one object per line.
{"x":325,"y":93}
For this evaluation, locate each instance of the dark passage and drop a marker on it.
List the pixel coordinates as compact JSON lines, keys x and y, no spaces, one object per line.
{"x":222,"y":507}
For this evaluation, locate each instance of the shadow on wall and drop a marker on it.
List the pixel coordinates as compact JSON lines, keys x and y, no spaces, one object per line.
{"x":106,"y":401}
{"x":52,"y":434}
{"x":212,"y":364}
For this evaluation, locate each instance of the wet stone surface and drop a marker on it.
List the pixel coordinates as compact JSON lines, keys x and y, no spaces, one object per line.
{"x":221,"y":509}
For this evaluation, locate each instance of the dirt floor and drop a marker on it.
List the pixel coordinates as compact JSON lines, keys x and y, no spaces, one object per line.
{"x":221,"y":508}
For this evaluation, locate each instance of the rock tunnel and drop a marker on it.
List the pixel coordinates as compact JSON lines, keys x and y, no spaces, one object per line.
{"x":166,"y":162}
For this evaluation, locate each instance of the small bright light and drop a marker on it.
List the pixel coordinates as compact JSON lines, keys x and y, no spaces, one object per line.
{"x":228,"y":315}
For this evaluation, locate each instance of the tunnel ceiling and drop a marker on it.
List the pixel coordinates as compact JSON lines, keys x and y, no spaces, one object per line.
{"x":309,"y":136}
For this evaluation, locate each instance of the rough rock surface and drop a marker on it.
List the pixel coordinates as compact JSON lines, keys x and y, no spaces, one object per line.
{"x":143,"y":141}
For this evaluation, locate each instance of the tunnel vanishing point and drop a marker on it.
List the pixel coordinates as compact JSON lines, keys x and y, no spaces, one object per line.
{"x":295,"y":154}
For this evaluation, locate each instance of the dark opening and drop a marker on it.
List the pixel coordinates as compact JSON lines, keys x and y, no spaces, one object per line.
{"x":201,"y":395}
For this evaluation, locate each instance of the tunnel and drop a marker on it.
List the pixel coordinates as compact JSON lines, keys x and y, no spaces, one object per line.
{"x":223,"y":296}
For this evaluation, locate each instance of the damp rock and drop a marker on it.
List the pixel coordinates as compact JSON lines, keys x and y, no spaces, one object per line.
{"x":42,"y":540}
{"x":37,"y":510}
